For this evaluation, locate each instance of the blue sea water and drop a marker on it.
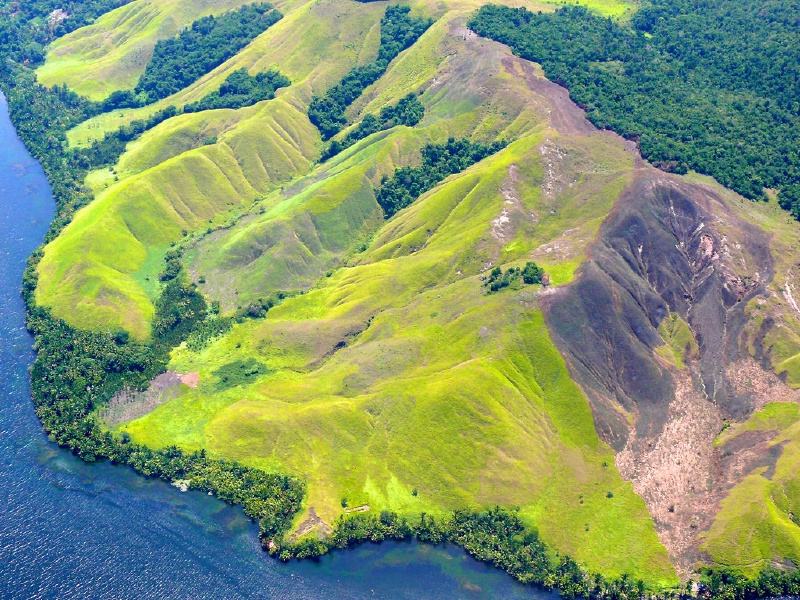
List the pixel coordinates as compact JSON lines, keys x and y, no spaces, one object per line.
{"x":74,"y":530}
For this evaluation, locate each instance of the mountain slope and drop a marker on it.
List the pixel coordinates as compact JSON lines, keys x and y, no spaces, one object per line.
{"x":111,"y":53}
{"x":638,"y":408}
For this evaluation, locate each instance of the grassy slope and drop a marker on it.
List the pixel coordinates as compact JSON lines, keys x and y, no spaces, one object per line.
{"x":458,"y":394}
{"x":95,"y":128}
{"x":438,"y":387}
{"x":111,"y":54}
{"x":757,"y":525}
{"x":97,"y":273}
{"x":311,"y":225}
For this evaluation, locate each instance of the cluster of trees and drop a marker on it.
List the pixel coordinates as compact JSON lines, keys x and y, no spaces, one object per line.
{"x":789,"y":199}
{"x":106,"y":151}
{"x":438,"y":161}
{"x":180,"y":308}
{"x":208,"y":329}
{"x":238,"y":372}
{"x":407,"y":111}
{"x":398,"y":31}
{"x":214,"y":325}
{"x":498,"y":536}
{"x":26,"y":27}
{"x":531,"y":273}
{"x":42,"y":118}
{"x":198,"y":49}
{"x":727,"y":584}
{"x":76,"y":371}
{"x":238,"y":90}
{"x":241,"y":89}
{"x":710,"y":86}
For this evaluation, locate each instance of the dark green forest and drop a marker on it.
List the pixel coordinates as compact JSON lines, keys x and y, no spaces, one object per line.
{"x":438,"y":161}
{"x":709,"y":85}
{"x":407,"y":111}
{"x":77,"y":371}
{"x":398,"y":31}
{"x":208,"y":43}
{"x":241,"y":89}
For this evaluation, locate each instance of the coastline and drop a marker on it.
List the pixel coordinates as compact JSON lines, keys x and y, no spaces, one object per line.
{"x":272,"y":500}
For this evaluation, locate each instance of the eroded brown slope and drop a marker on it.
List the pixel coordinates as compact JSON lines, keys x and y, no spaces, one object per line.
{"x":670,"y":247}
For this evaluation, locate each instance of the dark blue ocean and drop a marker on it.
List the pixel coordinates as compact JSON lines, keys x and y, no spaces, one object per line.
{"x":74,"y":530}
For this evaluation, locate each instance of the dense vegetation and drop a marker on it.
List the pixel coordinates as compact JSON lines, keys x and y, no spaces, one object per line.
{"x":75,"y":372}
{"x":499,"y":537}
{"x":407,"y":111}
{"x":530,"y":274}
{"x":238,"y":90}
{"x":27,"y":27}
{"x":710,"y":86}
{"x":438,"y":161}
{"x":106,"y":151}
{"x":398,"y":31}
{"x":241,"y":89}
{"x":208,"y":43}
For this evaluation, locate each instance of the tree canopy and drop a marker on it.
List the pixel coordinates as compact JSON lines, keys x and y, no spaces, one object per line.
{"x":710,"y":86}
{"x":206,"y":44}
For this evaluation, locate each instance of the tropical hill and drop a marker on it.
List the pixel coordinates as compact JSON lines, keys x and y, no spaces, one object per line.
{"x":360,"y":250}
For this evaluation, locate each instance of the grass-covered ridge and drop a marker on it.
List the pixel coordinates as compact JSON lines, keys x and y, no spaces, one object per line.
{"x":187,"y":183}
{"x":756,"y":523}
{"x":112,"y":53}
{"x":710,"y":87}
{"x":196,"y":50}
{"x":438,"y":161}
{"x":384,"y":421}
{"x":398,"y":31}
{"x":343,"y":395}
{"x":241,"y":89}
{"x":402,"y":368}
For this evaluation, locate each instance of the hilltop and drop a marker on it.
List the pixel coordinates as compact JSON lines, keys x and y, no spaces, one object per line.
{"x":388,"y":270}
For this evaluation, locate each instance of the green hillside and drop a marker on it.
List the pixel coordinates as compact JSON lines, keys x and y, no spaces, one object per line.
{"x":111,"y":53}
{"x":635,"y":408}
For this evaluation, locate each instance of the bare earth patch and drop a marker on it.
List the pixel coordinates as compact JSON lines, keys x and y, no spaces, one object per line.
{"x":748,"y":377}
{"x":677,"y":473}
{"x":128,"y":404}
{"x":312,"y":523}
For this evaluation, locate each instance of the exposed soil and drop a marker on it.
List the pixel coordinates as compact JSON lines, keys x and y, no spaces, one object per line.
{"x":191,"y":379}
{"x":565,"y":116}
{"x":513,"y":212}
{"x":668,"y":246}
{"x":128,"y":404}
{"x":750,"y":378}
{"x":662,"y":251}
{"x":312,"y":523}
{"x":677,"y":471}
